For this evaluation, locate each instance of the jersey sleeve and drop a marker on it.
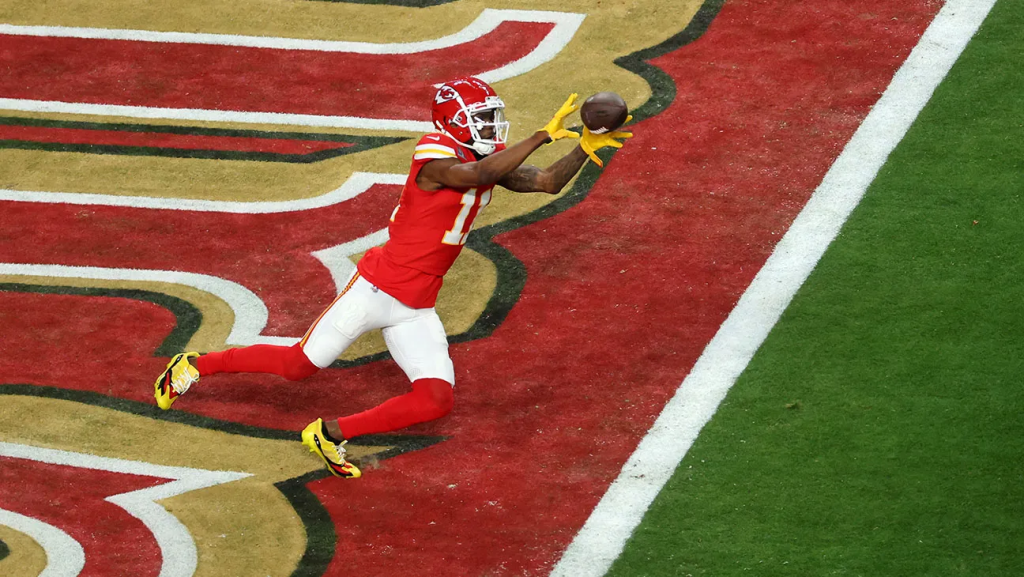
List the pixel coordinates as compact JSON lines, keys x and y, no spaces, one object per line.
{"x":433,"y":147}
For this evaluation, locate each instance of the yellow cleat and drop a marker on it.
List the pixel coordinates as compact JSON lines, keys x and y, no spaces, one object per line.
{"x":332,"y":455}
{"x":175,"y":380}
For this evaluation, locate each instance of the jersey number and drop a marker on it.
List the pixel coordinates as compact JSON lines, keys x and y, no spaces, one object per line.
{"x":459,"y":232}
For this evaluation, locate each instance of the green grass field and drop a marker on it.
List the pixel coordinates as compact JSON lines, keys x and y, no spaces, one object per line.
{"x":880,"y":429}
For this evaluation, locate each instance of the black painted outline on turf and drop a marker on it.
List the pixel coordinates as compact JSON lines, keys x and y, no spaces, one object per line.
{"x":4,"y":550}
{"x":360,"y":143}
{"x":321,"y":538}
{"x":399,"y":443}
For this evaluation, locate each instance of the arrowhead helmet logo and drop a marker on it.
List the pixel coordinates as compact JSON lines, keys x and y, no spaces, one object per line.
{"x":445,"y":94}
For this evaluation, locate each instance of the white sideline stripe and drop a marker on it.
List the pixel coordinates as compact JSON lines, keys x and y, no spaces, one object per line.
{"x":177,"y":548}
{"x":356,"y":184}
{"x":565,"y":26}
{"x":603,"y":536}
{"x":64,"y":556}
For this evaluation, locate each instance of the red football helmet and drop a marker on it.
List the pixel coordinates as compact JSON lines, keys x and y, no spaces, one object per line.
{"x":464,"y":107}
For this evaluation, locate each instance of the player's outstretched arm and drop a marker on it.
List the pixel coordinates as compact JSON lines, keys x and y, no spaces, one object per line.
{"x":554,"y":178}
{"x":551,"y":180}
{"x":493,"y":168}
{"x":451,"y":172}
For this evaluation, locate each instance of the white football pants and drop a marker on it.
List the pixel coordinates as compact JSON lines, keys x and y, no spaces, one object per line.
{"x":415,"y":337}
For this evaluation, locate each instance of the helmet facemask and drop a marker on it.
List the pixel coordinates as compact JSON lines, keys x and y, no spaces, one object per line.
{"x":474,"y":118}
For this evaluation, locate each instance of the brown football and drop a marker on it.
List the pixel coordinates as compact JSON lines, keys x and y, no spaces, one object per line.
{"x":603,"y":112}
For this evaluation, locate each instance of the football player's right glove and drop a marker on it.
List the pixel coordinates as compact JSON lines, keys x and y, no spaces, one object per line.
{"x":591,"y":143}
{"x":554,"y":128}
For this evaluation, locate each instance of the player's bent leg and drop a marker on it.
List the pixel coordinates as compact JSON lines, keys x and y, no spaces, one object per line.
{"x":440,"y":396}
{"x":359,"y":308}
{"x":288,"y":362}
{"x":297,"y":365}
{"x":430,"y":399}
{"x":185,"y":369}
{"x":420,"y":346}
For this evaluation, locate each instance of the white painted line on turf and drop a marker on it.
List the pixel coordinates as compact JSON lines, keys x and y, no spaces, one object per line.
{"x":356,"y":184}
{"x":604,"y":535}
{"x":64,"y":556}
{"x":565,"y":26}
{"x":336,"y":258}
{"x":249,"y":310}
{"x":250,"y":313}
{"x":177,"y":548}
{"x":209,"y":115}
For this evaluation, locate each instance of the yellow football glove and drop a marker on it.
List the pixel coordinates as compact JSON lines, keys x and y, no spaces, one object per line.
{"x":590,"y":143}
{"x":554,"y":128}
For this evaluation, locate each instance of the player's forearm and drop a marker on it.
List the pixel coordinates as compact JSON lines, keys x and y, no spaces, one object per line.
{"x":551,"y":180}
{"x":561,"y":172}
{"x":491,"y":169}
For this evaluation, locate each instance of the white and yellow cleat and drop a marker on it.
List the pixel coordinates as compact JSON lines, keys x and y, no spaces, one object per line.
{"x":175,"y":380}
{"x":333,"y":455}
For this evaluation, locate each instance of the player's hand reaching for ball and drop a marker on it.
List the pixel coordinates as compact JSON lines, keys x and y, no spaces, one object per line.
{"x":554,"y":128}
{"x":591,"y":142}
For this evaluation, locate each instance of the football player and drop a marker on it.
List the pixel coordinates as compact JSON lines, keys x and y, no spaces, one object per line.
{"x":395,"y":286}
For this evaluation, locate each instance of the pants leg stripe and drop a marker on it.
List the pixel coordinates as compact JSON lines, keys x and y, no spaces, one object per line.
{"x":355,"y":277}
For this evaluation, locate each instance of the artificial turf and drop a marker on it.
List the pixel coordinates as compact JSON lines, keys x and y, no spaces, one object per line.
{"x":880,"y":428}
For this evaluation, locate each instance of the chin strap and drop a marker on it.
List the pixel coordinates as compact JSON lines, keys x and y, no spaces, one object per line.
{"x":483,"y":148}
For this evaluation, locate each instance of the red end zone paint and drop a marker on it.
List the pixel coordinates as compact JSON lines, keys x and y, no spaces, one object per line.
{"x":97,"y":344}
{"x":174,"y":75}
{"x":624,"y":292}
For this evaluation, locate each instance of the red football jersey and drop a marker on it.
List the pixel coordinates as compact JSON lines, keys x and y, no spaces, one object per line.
{"x":427,"y":231}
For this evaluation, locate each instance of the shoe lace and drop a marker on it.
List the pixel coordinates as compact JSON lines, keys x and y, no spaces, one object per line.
{"x":339,"y":452}
{"x":182,"y":382}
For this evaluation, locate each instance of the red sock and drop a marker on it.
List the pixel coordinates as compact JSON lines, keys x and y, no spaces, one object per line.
{"x":430,"y":399}
{"x":289,"y":362}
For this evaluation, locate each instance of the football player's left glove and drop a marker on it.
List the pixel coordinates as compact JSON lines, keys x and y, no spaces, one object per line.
{"x":591,"y":143}
{"x":554,"y":128}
